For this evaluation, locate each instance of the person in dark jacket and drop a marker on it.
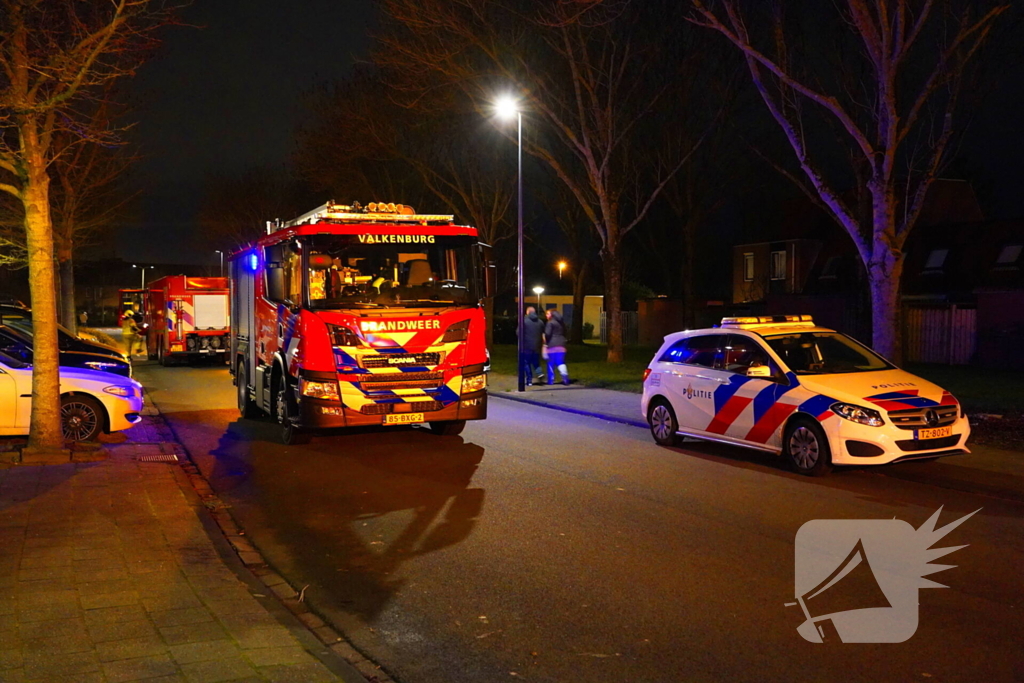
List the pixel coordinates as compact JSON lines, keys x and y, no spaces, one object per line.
{"x":533,"y":341}
{"x":555,"y":341}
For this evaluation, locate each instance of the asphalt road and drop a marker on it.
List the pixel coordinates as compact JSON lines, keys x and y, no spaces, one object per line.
{"x":545,"y":546}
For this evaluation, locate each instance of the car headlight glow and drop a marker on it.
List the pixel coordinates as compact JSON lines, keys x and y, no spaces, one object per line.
{"x":325,"y":390}
{"x":98,"y":365}
{"x":119,"y":390}
{"x":474,"y":383}
{"x":858,"y":414}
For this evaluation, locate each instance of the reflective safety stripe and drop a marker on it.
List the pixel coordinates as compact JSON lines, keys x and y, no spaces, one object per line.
{"x":730,"y":411}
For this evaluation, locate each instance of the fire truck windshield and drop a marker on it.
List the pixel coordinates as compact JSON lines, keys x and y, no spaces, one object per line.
{"x":390,"y":271}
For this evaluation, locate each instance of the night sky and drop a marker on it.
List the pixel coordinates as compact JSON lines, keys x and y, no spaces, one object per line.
{"x":225,"y":96}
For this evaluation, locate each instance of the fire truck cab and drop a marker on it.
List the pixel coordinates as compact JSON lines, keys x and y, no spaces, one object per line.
{"x":350,"y":316}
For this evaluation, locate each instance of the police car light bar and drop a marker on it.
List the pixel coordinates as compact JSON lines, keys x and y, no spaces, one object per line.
{"x":767,"y":320}
{"x":373,"y":213}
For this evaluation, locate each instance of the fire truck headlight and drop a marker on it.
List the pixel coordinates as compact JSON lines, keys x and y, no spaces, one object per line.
{"x":191,"y":343}
{"x":474,"y":383}
{"x":326,"y":390}
{"x":215,"y":342}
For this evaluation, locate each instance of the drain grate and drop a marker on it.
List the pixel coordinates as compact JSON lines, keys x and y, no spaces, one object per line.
{"x":158,"y":457}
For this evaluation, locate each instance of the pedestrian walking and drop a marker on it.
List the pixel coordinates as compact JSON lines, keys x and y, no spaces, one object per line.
{"x":533,"y":342}
{"x":129,"y":332}
{"x":554,"y":346}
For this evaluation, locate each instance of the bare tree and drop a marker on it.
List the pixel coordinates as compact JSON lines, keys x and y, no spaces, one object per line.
{"x":235,"y":209}
{"x":894,"y":126}
{"x":584,"y":73}
{"x":437,"y":148}
{"x":55,"y":55}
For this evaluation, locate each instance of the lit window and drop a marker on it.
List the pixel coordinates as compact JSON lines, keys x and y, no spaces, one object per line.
{"x":1009,"y":254}
{"x":778,"y":265}
{"x":748,"y":266}
{"x":935,"y":259}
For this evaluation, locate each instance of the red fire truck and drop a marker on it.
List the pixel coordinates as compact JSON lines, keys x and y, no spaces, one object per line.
{"x":187,"y":318}
{"x":352,"y":315}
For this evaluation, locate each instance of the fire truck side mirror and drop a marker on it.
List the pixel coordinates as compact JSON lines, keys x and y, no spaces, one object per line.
{"x":490,"y":272}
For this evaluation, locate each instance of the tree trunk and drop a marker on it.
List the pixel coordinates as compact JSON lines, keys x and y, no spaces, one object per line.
{"x":884,"y":276}
{"x":45,"y":429}
{"x":66,"y":276}
{"x":613,"y":301}
{"x":579,"y":293}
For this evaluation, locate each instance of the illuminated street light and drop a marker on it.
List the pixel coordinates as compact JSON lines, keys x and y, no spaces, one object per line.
{"x":143,"y":269}
{"x":506,"y":108}
{"x":538,"y":290}
{"x":561,"y":267}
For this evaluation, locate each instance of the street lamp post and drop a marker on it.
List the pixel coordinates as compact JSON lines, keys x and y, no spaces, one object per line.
{"x":143,"y":269}
{"x":506,"y":107}
{"x":538,"y":290}
{"x":218,"y":251}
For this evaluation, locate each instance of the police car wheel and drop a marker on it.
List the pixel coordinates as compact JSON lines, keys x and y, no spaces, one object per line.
{"x":807,"y":448}
{"x":663,"y":422}
{"x":452,"y":428}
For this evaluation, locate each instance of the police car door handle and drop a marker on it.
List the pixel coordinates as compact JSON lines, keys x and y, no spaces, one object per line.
{"x":713,"y":379}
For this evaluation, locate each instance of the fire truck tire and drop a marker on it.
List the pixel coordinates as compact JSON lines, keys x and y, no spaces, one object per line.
{"x":452,"y":428}
{"x":247,"y":407}
{"x":290,"y":434}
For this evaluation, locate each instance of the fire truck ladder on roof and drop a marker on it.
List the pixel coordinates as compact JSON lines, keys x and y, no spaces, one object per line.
{"x":395,"y":214}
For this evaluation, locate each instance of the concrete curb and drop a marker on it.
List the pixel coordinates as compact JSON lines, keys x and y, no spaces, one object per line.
{"x":574,"y":411}
{"x":282,"y":600}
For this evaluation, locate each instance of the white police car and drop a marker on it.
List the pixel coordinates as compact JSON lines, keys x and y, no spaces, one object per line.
{"x":784,"y":385}
{"x":91,"y":401}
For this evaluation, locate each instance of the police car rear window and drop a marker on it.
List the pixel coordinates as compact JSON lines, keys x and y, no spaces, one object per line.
{"x":825,"y":353}
{"x":701,"y":350}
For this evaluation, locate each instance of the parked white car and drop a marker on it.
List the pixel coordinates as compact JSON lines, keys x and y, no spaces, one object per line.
{"x":784,"y":385}
{"x":91,"y":401}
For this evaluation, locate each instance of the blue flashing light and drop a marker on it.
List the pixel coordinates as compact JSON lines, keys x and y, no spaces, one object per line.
{"x":254,"y":261}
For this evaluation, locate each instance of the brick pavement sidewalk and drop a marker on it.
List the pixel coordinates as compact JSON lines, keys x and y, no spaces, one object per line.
{"x":107,"y":573}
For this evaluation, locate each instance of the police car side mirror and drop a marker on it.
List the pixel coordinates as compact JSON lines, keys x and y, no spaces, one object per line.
{"x":759,"y":371}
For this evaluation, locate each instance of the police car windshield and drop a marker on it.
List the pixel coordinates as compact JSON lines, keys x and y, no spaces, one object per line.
{"x":824,"y":353}
{"x":361,"y":271}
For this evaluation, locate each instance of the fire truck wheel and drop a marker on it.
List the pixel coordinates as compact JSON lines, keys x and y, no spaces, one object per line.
{"x":290,"y":434}
{"x":246,"y":406}
{"x":452,"y":428}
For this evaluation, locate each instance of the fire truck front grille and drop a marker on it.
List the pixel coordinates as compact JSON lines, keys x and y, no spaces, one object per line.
{"x":917,"y":418}
{"x":386,"y":408}
{"x":397,"y":360}
{"x":403,"y":380}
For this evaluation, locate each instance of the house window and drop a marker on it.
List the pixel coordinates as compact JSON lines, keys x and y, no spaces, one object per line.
{"x":936,"y":258}
{"x":748,"y":267}
{"x":1009,"y":255}
{"x":778,"y":271}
